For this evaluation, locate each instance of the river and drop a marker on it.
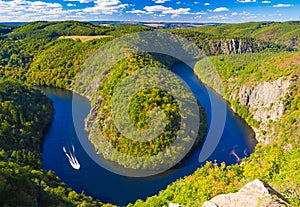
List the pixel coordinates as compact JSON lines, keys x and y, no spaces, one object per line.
{"x":120,"y":190}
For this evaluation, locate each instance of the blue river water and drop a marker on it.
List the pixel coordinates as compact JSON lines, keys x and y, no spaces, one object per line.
{"x":120,"y":190}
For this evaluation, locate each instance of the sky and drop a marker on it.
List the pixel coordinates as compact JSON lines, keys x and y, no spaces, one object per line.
{"x":202,"y":11}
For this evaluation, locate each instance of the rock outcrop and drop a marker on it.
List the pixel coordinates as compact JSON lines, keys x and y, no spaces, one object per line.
{"x":235,"y":46}
{"x":265,"y":102}
{"x":232,"y":46}
{"x":254,"y":194}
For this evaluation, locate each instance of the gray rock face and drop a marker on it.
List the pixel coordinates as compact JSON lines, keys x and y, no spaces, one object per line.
{"x":254,"y":194}
{"x":232,"y":46}
{"x":266,"y":102}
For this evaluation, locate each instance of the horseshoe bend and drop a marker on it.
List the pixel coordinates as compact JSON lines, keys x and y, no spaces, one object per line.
{"x":149,"y":115}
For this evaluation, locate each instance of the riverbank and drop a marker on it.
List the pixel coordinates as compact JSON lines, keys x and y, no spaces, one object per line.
{"x":236,"y":134}
{"x":276,"y":162}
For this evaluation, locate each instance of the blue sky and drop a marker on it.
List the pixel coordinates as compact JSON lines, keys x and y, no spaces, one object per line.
{"x":150,"y":10}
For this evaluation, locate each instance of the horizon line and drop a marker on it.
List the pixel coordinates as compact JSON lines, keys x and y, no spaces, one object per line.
{"x":147,"y":21}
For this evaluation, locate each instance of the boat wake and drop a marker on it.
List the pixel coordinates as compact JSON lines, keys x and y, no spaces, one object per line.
{"x":72,"y":158}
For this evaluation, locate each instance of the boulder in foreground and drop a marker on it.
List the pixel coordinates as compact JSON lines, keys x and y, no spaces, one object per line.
{"x":254,"y":194}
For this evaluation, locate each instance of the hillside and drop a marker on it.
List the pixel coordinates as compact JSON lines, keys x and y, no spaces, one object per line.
{"x":259,"y":65}
{"x":276,"y":158}
{"x":68,"y":28}
{"x":25,"y":116}
{"x":286,"y":33}
{"x":32,"y":47}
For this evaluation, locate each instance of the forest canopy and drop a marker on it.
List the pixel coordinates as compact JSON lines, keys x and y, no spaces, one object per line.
{"x":32,"y":54}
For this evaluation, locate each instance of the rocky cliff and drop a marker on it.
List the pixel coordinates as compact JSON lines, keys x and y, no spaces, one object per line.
{"x":265,"y":102}
{"x":232,"y":46}
{"x":237,"y":46}
{"x":254,"y":194}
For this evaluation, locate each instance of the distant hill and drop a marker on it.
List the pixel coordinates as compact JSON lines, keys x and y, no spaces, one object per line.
{"x":287,"y":33}
{"x":253,"y":60}
{"x":44,"y":29}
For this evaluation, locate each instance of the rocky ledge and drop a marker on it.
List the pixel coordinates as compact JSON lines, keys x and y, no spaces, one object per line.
{"x":254,"y":194}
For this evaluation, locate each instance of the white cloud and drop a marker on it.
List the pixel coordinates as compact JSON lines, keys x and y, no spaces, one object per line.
{"x":106,"y":7}
{"x":85,"y":1}
{"x":198,"y":13}
{"x":136,"y":12}
{"x":81,"y":1}
{"x":246,"y":1}
{"x":31,"y":10}
{"x":23,"y":10}
{"x":177,"y":11}
{"x":157,"y":8}
{"x":219,"y":17}
{"x":159,"y":15}
{"x":282,"y":5}
{"x":221,"y":9}
{"x":244,"y":13}
{"x":196,"y":2}
{"x":166,"y":10}
{"x":247,"y":15}
{"x":102,"y":6}
{"x":160,"y":1}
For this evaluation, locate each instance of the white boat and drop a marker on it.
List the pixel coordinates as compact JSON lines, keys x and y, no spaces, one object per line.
{"x":72,"y":158}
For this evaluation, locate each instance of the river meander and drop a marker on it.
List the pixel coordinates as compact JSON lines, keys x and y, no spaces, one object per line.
{"x":109,"y":187}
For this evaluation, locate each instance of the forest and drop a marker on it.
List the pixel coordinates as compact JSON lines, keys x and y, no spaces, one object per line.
{"x":25,"y":115}
{"x":273,"y":163}
{"x":33,"y":55}
{"x":143,"y":102}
